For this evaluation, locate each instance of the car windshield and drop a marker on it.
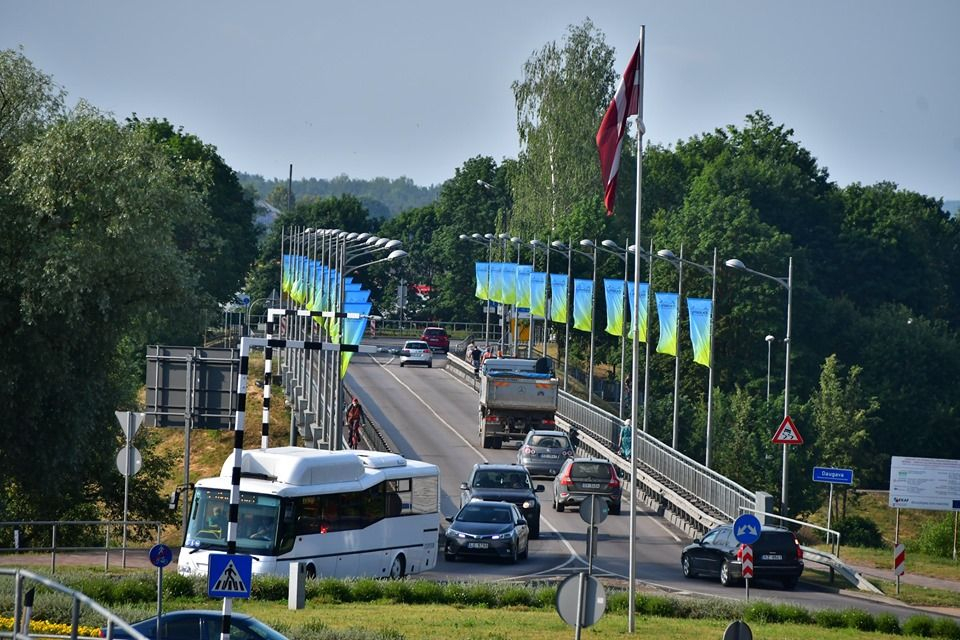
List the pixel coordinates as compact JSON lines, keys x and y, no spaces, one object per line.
{"x":416,"y":345}
{"x":501,"y":480}
{"x":550,"y":442}
{"x":435,"y":333}
{"x":477,"y":513}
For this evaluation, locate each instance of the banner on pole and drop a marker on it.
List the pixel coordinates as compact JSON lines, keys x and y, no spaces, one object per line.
{"x":701,"y":318}
{"x":558,"y":297}
{"x":582,"y":304}
{"x":613,"y":292}
{"x":668,"y":313}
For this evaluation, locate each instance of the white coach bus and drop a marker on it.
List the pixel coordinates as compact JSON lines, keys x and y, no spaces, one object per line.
{"x":341,"y":513}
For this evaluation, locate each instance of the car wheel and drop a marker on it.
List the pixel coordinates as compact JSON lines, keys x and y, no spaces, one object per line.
{"x":725,"y":578}
{"x":311,"y":572}
{"x":449,"y":557}
{"x":526,"y":551}
{"x":557,"y":504}
{"x":399,"y":567}
{"x":514,"y":553}
{"x":687,"y":569}
{"x":790,"y":583}
{"x":615,"y":508}
{"x":535,"y":530}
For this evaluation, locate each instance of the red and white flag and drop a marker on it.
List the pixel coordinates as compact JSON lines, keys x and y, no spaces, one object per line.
{"x":627,"y":101}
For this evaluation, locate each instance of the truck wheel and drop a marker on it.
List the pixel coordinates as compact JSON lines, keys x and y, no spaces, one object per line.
{"x":497,"y":442}
{"x":487,"y":442}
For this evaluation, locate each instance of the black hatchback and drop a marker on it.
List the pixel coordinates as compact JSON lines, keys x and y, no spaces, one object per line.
{"x":776,"y":556}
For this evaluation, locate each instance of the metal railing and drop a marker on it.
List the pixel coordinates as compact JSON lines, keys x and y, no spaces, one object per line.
{"x":57,"y":541}
{"x":21,"y":624}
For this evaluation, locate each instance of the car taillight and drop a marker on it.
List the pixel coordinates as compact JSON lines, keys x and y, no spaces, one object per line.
{"x":492,"y":419}
{"x":565,"y":480}
{"x":614,"y":480}
{"x":549,"y":421}
{"x":528,"y":451}
{"x":799,"y":549}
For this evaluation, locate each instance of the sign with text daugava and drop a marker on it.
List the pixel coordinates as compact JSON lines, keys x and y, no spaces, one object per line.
{"x":925,"y":483}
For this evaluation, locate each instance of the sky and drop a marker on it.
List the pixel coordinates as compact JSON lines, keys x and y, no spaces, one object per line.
{"x":393,"y":88}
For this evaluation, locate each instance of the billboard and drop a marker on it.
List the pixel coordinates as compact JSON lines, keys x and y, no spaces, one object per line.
{"x":925,"y":483}
{"x":195,"y":384}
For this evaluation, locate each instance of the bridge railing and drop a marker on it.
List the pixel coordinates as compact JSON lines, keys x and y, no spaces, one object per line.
{"x":719,"y":491}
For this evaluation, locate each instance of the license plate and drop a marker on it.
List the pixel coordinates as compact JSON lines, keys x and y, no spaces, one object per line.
{"x":478,"y":545}
{"x":771,"y":556}
{"x":551,"y":456}
{"x":591,"y":485}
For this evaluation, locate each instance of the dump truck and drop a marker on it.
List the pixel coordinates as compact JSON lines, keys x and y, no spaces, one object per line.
{"x":516,"y":395}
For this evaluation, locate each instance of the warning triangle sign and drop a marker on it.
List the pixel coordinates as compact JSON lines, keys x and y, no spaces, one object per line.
{"x":230,"y":580}
{"x":787,"y":433}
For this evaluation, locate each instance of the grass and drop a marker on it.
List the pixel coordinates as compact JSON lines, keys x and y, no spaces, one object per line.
{"x":909,"y":594}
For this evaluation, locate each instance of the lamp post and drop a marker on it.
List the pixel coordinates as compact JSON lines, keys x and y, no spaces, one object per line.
{"x":516,"y":298}
{"x":593,"y":306}
{"x":788,"y":284}
{"x":488,"y":241}
{"x":504,"y":311}
{"x":712,"y":272}
{"x":561,"y":248}
{"x":611,"y":247}
{"x":678,"y":263}
{"x":536,"y":244}
{"x":769,"y":340}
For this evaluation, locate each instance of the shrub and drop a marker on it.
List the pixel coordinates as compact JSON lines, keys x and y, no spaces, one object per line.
{"x":545,"y":596}
{"x":366,"y":590}
{"x":936,"y":537}
{"x":455,"y":593}
{"x":178,"y":586}
{"x":765,"y":612}
{"x":945,"y":628}
{"x":918,"y":626}
{"x":271,"y":588}
{"x":657,"y":606}
{"x":425,"y":592}
{"x":479,"y":594}
{"x":887,"y":623}
{"x":857,"y":531}
{"x":138,"y":590}
{"x":829,"y":619}
{"x":516,"y":596}
{"x":398,"y":591}
{"x":617,"y":601}
{"x":328,"y":589}
{"x":860,"y":620}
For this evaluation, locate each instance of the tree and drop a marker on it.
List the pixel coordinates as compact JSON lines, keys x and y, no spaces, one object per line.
{"x":560,"y":102}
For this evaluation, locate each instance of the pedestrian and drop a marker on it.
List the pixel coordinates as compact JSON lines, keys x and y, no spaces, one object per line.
{"x":475,"y":354}
{"x":574,"y":436}
{"x":624,"y":441}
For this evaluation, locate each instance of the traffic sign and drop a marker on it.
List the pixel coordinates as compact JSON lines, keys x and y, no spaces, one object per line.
{"x":787,"y":433}
{"x":746,"y":528}
{"x":129,"y":421}
{"x":899,"y":559}
{"x":228,"y":576}
{"x":738,"y":630}
{"x":160,"y":555}
{"x":581,"y":597}
{"x":833,"y":476}
{"x":136,"y":460}
{"x":594,"y":510}
{"x":746,"y":560}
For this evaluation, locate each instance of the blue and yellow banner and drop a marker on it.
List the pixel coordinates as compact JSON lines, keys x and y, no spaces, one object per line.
{"x":644,"y":288}
{"x":538,"y":294}
{"x":523,"y":285}
{"x":669,"y":313}
{"x":582,"y":304}
{"x":353,"y":329}
{"x":558,"y":297}
{"x":613,"y":291}
{"x":509,"y":283}
{"x":483,"y":280}
{"x":496,"y":281}
{"x":356,"y":297}
{"x":701,"y":317}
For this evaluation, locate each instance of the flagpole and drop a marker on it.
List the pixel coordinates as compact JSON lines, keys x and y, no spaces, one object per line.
{"x":635,"y":372}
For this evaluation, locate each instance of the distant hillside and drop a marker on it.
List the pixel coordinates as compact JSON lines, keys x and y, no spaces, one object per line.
{"x":953,"y":206}
{"x":383,"y":197}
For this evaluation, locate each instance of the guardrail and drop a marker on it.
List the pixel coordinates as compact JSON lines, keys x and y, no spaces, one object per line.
{"x":21,"y":623}
{"x":35,"y":530}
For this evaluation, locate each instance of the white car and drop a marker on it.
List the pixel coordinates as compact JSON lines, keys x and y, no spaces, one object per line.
{"x":416,"y":352}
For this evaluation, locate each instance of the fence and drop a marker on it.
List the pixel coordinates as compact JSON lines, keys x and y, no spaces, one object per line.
{"x":53,"y":537}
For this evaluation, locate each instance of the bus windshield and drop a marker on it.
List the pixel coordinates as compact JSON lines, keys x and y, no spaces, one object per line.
{"x":256,"y":526}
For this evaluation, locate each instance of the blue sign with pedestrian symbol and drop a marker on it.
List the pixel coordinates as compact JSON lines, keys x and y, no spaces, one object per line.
{"x":229,"y":576}
{"x":746,"y":529}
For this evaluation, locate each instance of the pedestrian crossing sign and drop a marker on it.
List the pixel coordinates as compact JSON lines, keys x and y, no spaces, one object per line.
{"x":229,"y":576}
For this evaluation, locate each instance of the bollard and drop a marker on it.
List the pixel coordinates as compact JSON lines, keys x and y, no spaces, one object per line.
{"x":296,"y":591}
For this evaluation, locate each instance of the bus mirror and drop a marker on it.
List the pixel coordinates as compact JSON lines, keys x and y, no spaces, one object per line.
{"x":174,"y":498}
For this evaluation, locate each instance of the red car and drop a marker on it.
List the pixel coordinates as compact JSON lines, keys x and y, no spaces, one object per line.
{"x":437,"y":338}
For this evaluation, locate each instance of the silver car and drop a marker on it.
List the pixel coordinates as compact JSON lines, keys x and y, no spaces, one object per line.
{"x":416,"y":352}
{"x":544,"y":452}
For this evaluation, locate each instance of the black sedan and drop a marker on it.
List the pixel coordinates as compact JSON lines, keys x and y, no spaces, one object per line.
{"x":487,"y":529}
{"x":776,"y":556}
{"x":199,"y":624}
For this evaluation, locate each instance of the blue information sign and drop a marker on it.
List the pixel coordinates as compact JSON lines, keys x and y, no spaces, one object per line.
{"x":160,"y":555}
{"x":228,"y":576}
{"x":746,"y":528}
{"x":833,"y":476}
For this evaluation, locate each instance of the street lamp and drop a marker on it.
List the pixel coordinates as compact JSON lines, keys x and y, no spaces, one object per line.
{"x":484,"y":240}
{"x":769,"y":340}
{"x":712,"y":272}
{"x":788,"y":284}
{"x":593,"y":306}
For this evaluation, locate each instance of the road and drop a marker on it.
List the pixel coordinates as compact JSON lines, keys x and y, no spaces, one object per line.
{"x":432,"y":415}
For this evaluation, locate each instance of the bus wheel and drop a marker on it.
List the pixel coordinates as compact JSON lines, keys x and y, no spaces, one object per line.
{"x":311,"y":572}
{"x":399,"y":567}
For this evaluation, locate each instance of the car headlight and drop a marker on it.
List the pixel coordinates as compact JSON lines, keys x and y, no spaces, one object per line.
{"x":528,"y":504}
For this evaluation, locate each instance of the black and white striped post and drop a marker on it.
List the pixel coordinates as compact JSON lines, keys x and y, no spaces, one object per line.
{"x":233,"y":514}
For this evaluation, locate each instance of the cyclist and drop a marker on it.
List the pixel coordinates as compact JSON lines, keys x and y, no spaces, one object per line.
{"x":354,"y":417}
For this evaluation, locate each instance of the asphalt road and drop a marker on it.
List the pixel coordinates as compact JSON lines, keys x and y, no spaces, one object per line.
{"x":432,"y":415}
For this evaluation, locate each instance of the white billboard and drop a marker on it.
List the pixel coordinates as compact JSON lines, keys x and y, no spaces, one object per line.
{"x":925,"y":483}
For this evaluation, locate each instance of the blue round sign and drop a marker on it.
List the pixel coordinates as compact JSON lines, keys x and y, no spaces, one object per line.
{"x":160,"y":555}
{"x":746,"y":529}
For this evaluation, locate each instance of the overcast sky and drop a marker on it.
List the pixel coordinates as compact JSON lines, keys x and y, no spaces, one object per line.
{"x":391,"y":88}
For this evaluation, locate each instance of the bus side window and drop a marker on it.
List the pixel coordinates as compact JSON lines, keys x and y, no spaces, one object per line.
{"x":394,"y":505}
